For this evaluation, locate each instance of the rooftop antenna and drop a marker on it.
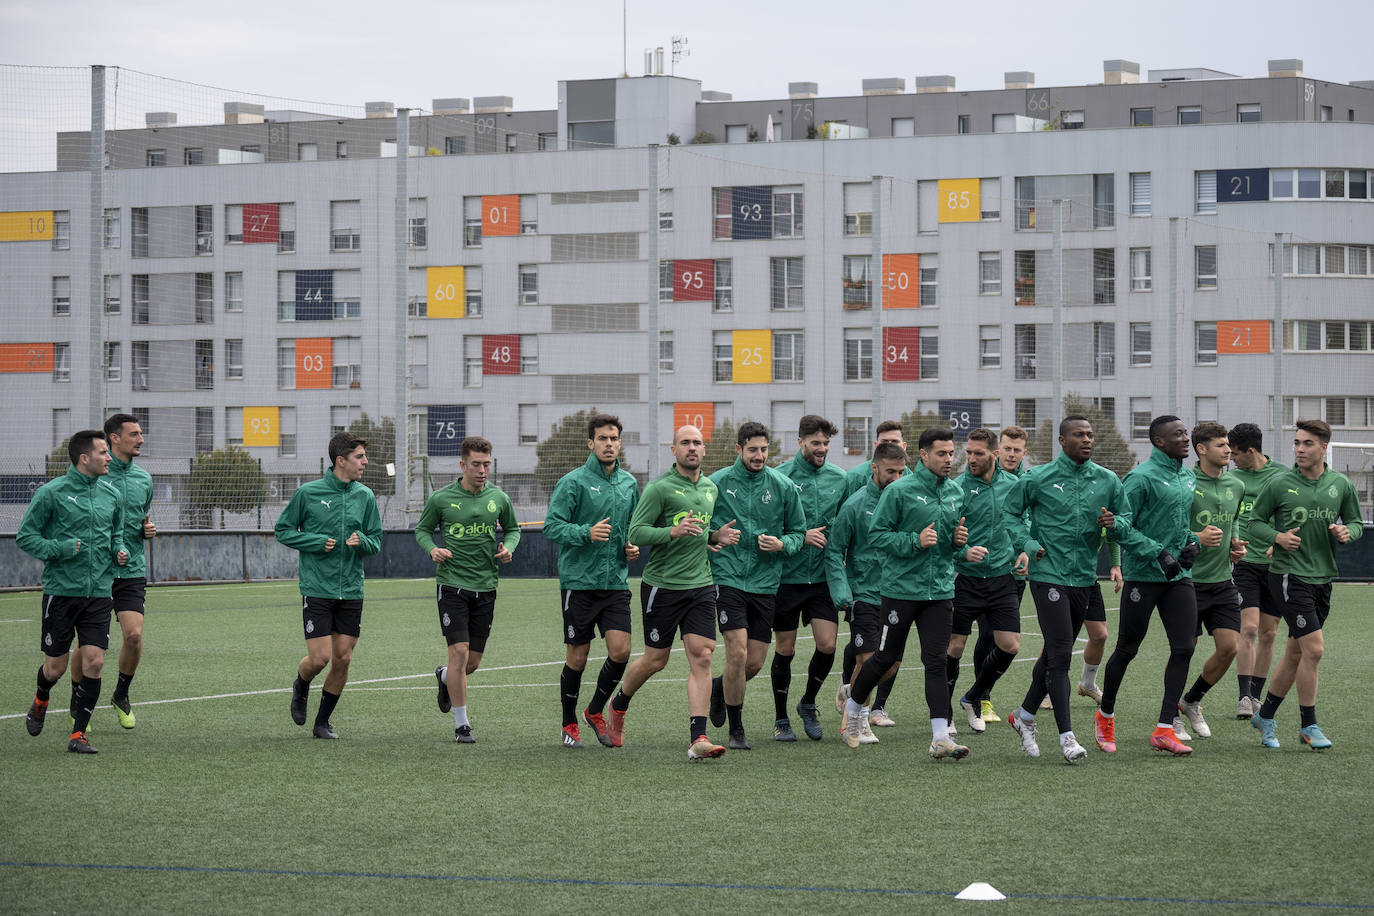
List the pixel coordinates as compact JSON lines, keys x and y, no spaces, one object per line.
{"x":624,"y":51}
{"x":679,"y":51}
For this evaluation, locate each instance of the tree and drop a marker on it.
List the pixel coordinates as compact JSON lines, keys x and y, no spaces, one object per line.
{"x":1109,"y":448}
{"x":565,"y":450}
{"x":720,"y":448}
{"x":58,"y":460}
{"x":703,"y":136}
{"x":381,"y":451}
{"x":228,"y":479}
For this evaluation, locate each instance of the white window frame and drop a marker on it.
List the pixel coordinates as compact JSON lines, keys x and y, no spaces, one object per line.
{"x":989,"y":273}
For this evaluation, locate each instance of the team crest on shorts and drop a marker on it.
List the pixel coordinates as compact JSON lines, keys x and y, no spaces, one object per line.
{"x":892,"y":618}
{"x":1053,"y":594}
{"x":47,"y":639}
{"x":444,"y":619}
{"x":653,"y":634}
{"x":858,"y":642}
{"x":310,"y":626}
{"x":724,"y":617}
{"x":571,"y":632}
{"x":1302,"y":621}
{"x":1135,"y":594}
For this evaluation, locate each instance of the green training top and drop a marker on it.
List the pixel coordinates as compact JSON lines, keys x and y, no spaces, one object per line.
{"x":853,"y":566}
{"x":762,"y":502}
{"x":856,"y":478}
{"x":329,"y":508}
{"x":821,"y":491}
{"x":1254,"y":482}
{"x":982,"y":510}
{"x":74,"y":508}
{"x":1290,"y":500}
{"x":468,"y":521}
{"x":677,"y":563}
{"x":135,"y":487}
{"x":581,"y":499}
{"x":1216,"y":501}
{"x":912,"y":572}
{"x":1159,"y":493}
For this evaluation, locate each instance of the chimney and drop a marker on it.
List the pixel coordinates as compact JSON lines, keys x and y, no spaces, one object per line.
{"x":380,"y":109}
{"x":161,"y":119}
{"x":886,"y":85}
{"x":712,"y":95}
{"x":658,"y":61}
{"x":942,"y":83}
{"x":802,"y":90}
{"x":1291,"y":66}
{"x":492,"y":104}
{"x":1018,"y":79}
{"x":453,"y":106}
{"x":648,"y":61}
{"x":243,"y":113}
{"x":1120,"y":72}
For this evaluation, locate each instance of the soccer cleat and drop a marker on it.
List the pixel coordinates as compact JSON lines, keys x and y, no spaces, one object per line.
{"x":597,"y":722}
{"x":571,"y":738}
{"x":1105,"y":727}
{"x":945,"y":748}
{"x":841,"y":696}
{"x":445,"y":704}
{"x":879,"y":718}
{"x":1092,"y":692}
{"x":988,"y":714}
{"x":1313,"y":737}
{"x":78,"y":744}
{"x":975,"y":721}
{"x":298,"y":704}
{"x":717,"y":711}
{"x":1026,"y":732}
{"x":1193,"y":713}
{"x":1268,"y":729}
{"x":124,"y":711}
{"x":1244,"y":709}
{"x":616,"y":728}
{"x":738,"y":742}
{"x":853,"y":730}
{"x":1166,"y":739}
{"x":811,"y":720}
{"x":463,"y":735}
{"x":1073,"y":751}
{"x":1181,"y":730}
{"x":37,"y":713}
{"x":703,"y":749}
{"x":866,"y":735}
{"x":325,"y":730}
{"x":782,"y":730}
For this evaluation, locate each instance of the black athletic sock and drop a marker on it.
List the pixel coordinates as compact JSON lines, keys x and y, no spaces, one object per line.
{"x":816,"y":673}
{"x":1197,"y":691}
{"x":951,"y":678}
{"x":697,"y":727}
{"x":850,"y":660}
{"x":327,"y":703}
{"x":569,"y":684}
{"x":884,"y":691}
{"x":994,"y":666}
{"x":781,"y":675}
{"x":621,"y":702}
{"x":981,"y":648}
{"x":45,"y":686}
{"x":605,"y":685}
{"x":76,"y":695}
{"x":1256,"y":685}
{"x":84,"y":704}
{"x":736,"y":714}
{"x":121,"y":691}
{"x":1309,"y":715}
{"x":1269,"y":706}
{"x":1243,"y":683}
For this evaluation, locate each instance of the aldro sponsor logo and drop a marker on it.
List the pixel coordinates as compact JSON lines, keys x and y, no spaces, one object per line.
{"x":1299,"y":515}
{"x":476,"y":529}
{"x":701,"y":517}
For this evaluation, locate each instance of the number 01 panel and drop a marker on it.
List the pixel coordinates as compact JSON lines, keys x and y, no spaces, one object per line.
{"x":500,"y":214}
{"x":445,"y":294}
{"x":701,"y":414}
{"x":1242,"y":337}
{"x":260,"y":428}
{"x":446,"y":429}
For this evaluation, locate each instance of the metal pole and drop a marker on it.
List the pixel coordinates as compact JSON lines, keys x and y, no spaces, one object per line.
{"x":90,"y":372}
{"x":1172,"y":403}
{"x":402,"y":375}
{"x":1276,"y":338}
{"x":1057,"y":363}
{"x":877,"y":278}
{"x":651,"y":253}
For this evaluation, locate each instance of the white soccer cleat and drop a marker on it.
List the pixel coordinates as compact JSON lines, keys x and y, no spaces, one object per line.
{"x":866,"y":735}
{"x":1180,"y":730}
{"x":880,"y":719}
{"x":1193,"y":713}
{"x":1073,"y":751}
{"x":975,"y":719}
{"x":1026,"y":732}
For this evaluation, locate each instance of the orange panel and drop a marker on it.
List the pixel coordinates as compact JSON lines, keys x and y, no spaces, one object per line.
{"x":701,"y":414}
{"x":500,"y":214}
{"x":26,"y":357}
{"x":314,"y":362}
{"x":1242,"y":337}
{"x":901,"y":281}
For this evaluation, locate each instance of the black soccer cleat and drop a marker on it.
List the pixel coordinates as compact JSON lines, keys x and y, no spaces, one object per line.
{"x":738,"y":742}
{"x":79,"y":745}
{"x":325,"y":730}
{"x":463,"y":735}
{"x":37,"y":713}
{"x":445,"y":704}
{"x":298,"y":699}
{"x":717,"y":702}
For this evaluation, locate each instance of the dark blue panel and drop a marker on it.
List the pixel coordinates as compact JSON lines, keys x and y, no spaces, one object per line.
{"x":18,"y":488}
{"x":447,"y":428}
{"x":962,"y":415}
{"x":1242,"y":184}
{"x":314,"y":295}
{"x":751,"y":213}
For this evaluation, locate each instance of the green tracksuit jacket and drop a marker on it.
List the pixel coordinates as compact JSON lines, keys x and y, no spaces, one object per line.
{"x":1159,"y":492}
{"x":856,"y":478}
{"x":581,"y":499}
{"x":329,"y":508}
{"x":760,"y":503}
{"x":467,"y":523}
{"x":853,"y":566}
{"x":676,"y":563}
{"x":987,"y":527}
{"x":71,"y":508}
{"x":135,"y":487}
{"x":1254,"y":482}
{"x":821,"y":491}
{"x":910,"y":572}
{"x":1290,"y":500}
{"x":1216,"y":501}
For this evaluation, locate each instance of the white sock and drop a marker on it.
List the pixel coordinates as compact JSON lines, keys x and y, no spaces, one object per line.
{"x":460,"y":716}
{"x":443,"y":674}
{"x":853,"y":707}
{"x":1108,"y":715}
{"x":1023,"y":715}
{"x":1065,"y":738}
{"x":1089,"y":678}
{"x":939,"y":729}
{"x":1168,"y":725}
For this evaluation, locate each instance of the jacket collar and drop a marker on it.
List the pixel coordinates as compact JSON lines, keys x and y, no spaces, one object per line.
{"x":1158,"y":456}
{"x":593,"y":464}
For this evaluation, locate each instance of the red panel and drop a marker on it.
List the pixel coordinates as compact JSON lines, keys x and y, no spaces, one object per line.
{"x":261,"y":223}
{"x":694,"y":281}
{"x":1242,"y":337}
{"x":501,"y":354}
{"x":26,"y":357}
{"x":901,"y":354}
{"x":500,"y":214}
{"x":701,"y":414}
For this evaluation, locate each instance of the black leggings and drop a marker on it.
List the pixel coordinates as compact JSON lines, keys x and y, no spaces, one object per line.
{"x":1060,"y":610}
{"x":934,"y":620}
{"x":1177,"y":603}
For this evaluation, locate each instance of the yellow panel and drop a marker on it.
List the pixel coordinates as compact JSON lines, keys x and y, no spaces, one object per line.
{"x":444,"y":292}
{"x":26,"y":226}
{"x":753,"y":356}
{"x":260,"y":427}
{"x":959,"y":200}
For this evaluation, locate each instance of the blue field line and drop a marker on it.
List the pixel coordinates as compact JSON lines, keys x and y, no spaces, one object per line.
{"x":675,"y":885}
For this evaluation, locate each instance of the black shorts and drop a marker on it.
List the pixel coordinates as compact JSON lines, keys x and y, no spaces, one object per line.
{"x":585,"y":610}
{"x":130,"y":595}
{"x":1252,"y":579}
{"x":993,"y":600}
{"x":88,"y":619}
{"x":1305,"y":606}
{"x":805,"y":603}
{"x":325,"y":616}
{"x":1097,"y":608}
{"x":1218,"y":606}
{"x":737,"y":609}
{"x":668,"y":610}
{"x":865,"y":626}
{"x":1020,"y":590}
{"x":465,"y":615}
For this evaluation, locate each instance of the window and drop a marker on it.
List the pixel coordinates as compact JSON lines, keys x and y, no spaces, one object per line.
{"x":340,"y":416}
{"x":529,"y":214}
{"x":1205,"y":186}
{"x":512,"y":142}
{"x":903,"y":127}
{"x":61,"y":230}
{"x":990,"y":346}
{"x":286,"y":228}
{"x":205,"y":229}
{"x":665,"y":351}
{"x":193,"y":155}
{"x":723,"y":301}
{"x":286,"y":428}
{"x":233,"y":358}
{"x":348,"y":362}
{"x":205,"y":364}
{"x":1142,"y":117}
{"x":591,"y":134}
{"x":417,"y":361}
{"x":205,"y":298}
{"x":1341,"y":336}
{"x":472,"y":295}
{"x":858,"y":286}
{"x":1142,"y":280}
{"x":472,"y":361}
{"x":788,"y":356}
{"x":1104,"y":276}
{"x":989,"y":273}
{"x":528,"y":423}
{"x":345,"y":220}
{"x":1247,"y":112}
{"x":1026,"y":352}
{"x":286,"y":363}
{"x":112,"y":294}
{"x":139,"y":294}
{"x":528,"y":277}
{"x":233,"y":291}
{"x":963,"y":125}
{"x":112,"y":361}
{"x":858,"y":209}
{"x":1140,"y":193}
{"x":665,"y":281}
{"x":1071,"y":120}
{"x":307,"y":152}
{"x":61,"y":295}
{"x":1026,"y":413}
{"x":1205,"y":337}
{"x":1189,"y":114}
{"x":722,"y":221}
{"x":856,"y":427}
{"x":155,"y":158}
{"x":990,"y":198}
{"x":1205,"y":260}
{"x":418,"y":223}
{"x":110,"y":232}
{"x":722,"y":357}
{"x":665,"y":210}
{"x":340,"y":149}
{"x":1025,"y":203}
{"x":348,"y":301}
{"x":138,"y":355}
{"x":1140,"y":343}
{"x":1025,"y":278}
{"x":1104,"y":201}
{"x":472,"y":222}
{"x":1140,"y":418}
{"x":858,"y":354}
{"x":785,"y":285}
{"x":529,"y":354}
{"x":548,"y":141}
{"x":1335,"y":184}
{"x":930,"y":354}
{"x":787,"y":213}
{"x":1104,"y":349}
{"x":455,"y":146}
{"x":930,"y":281}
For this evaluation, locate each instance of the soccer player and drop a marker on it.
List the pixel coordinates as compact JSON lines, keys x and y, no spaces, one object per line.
{"x":803,"y":595}
{"x":858,"y":477}
{"x":1306,"y":510}
{"x":1216,"y":503}
{"x":1260,"y":611}
{"x":467,"y":512}
{"x":589,"y":519}
{"x":673,"y":519}
{"x":334,"y":523}
{"x":74,"y":524}
{"x":916,"y":526}
{"x":764,"y":508}
{"x":1070,"y":500}
{"x":984,"y":589}
{"x":1160,"y":550}
{"x":853,"y":571}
